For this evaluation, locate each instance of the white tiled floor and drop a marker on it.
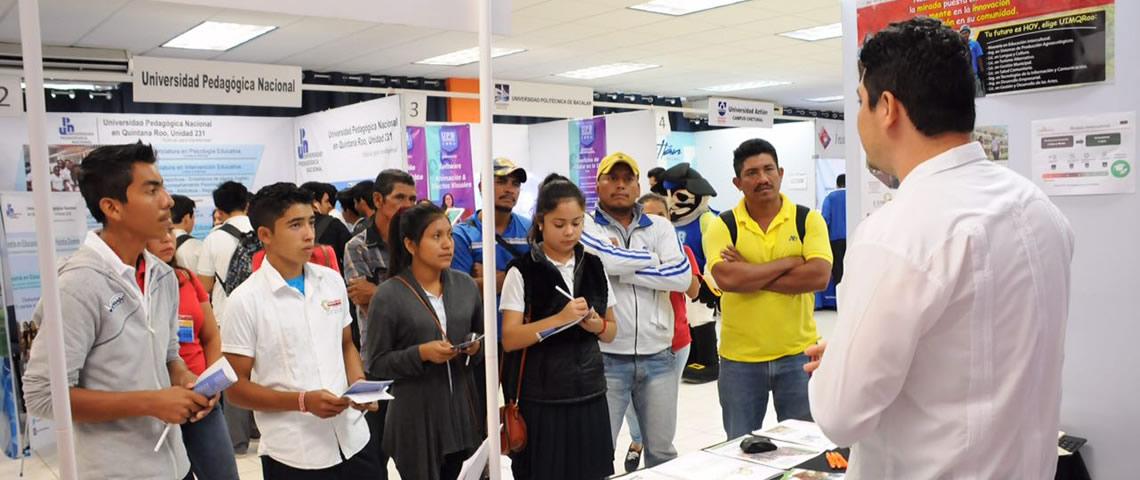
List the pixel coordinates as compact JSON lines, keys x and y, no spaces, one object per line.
{"x":698,"y":426}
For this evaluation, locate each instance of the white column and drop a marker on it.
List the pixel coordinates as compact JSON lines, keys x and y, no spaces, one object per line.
{"x":490,"y":316}
{"x":45,"y":237}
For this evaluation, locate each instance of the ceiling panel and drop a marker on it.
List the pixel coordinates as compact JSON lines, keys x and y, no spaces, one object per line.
{"x":623,"y":18}
{"x":564,"y":10}
{"x":144,"y":25}
{"x":343,"y":49}
{"x":275,"y":46}
{"x":9,"y":22}
{"x":70,"y":20}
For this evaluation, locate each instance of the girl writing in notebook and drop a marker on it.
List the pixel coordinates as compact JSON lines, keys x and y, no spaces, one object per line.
{"x":557,"y":376}
{"x":423,"y":315}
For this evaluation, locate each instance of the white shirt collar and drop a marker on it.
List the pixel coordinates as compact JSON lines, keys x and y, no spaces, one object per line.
{"x":96,"y":243}
{"x":179,"y":232}
{"x":277,"y":282}
{"x":950,"y":159}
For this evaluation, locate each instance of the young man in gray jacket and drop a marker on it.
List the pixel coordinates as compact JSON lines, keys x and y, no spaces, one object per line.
{"x":119,"y":326}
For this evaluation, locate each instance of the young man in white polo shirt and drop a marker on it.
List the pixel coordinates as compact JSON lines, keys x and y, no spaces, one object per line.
{"x":287,"y":334}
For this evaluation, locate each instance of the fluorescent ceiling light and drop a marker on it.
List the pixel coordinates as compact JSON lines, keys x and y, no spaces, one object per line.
{"x":822,"y":32}
{"x":73,"y":86}
{"x":733,"y":87}
{"x":467,"y":55}
{"x":681,"y":7}
{"x":608,"y":70}
{"x":218,"y":36}
{"x":831,"y":99}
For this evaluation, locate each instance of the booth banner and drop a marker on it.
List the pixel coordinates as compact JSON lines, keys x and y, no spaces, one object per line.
{"x":417,"y":159}
{"x":348,"y":144}
{"x":830,"y":139}
{"x":734,"y":112}
{"x":1025,"y":45}
{"x":452,"y":180}
{"x":1085,"y":155}
{"x":22,"y":272}
{"x":678,"y":147}
{"x":179,"y":80}
{"x":587,"y":148}
{"x":11,"y":96}
{"x":543,"y":100}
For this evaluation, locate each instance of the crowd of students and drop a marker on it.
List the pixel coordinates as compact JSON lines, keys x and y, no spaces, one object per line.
{"x":592,"y":310}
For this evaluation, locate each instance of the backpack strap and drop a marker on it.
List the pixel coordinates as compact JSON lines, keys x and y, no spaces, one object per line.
{"x":323,"y":225}
{"x":801,"y":221}
{"x":232,"y":230}
{"x":729,"y":219}
{"x":181,"y":239}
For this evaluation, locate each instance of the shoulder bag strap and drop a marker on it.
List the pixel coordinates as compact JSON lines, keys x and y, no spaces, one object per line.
{"x":424,"y":303}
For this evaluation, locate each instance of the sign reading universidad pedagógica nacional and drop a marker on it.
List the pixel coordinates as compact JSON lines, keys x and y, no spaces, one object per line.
{"x":169,"y":80}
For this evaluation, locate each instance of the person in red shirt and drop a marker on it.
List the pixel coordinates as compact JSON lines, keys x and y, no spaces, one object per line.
{"x":208,"y":440}
{"x":655,"y":204}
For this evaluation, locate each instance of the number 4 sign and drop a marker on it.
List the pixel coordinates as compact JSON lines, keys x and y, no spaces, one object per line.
{"x":11,"y":97}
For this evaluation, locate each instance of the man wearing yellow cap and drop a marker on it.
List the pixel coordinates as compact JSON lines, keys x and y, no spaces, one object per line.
{"x":639,"y":363}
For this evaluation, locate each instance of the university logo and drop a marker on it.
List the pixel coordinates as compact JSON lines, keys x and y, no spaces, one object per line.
{"x":722,"y":108}
{"x":303,"y":146}
{"x":824,"y":138}
{"x":502,"y":93}
{"x":449,"y":140}
{"x":586,"y":133}
{"x":10,"y":212}
{"x":66,"y":127}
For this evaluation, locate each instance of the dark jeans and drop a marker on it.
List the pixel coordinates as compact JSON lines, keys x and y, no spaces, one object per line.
{"x":208,"y":446}
{"x":363,"y":465}
{"x":376,"y":429}
{"x":744,"y":387}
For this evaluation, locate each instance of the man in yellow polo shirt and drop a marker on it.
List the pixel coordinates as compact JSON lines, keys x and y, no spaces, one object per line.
{"x":768,"y":276}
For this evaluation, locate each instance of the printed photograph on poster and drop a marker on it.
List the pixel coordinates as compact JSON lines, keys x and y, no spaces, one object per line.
{"x":587,"y":149}
{"x":63,"y":166}
{"x":1016,"y":46}
{"x":450,"y":172}
{"x":995,"y":141}
{"x":1086,"y":155}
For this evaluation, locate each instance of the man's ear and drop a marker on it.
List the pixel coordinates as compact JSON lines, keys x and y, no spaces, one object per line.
{"x":112,"y":209}
{"x":265,"y":235}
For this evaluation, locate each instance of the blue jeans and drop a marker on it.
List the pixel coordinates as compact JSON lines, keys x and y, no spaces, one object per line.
{"x":681,"y":357}
{"x":208,"y":446}
{"x":650,"y":383}
{"x":744,"y":387}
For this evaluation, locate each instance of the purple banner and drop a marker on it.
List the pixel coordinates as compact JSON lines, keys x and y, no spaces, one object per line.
{"x":587,"y":148}
{"x":417,"y":159}
{"x":449,"y":166}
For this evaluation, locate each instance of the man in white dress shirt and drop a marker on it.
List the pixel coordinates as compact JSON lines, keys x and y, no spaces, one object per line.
{"x":946,"y":361}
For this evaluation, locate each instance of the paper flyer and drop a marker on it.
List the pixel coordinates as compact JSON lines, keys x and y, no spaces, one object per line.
{"x":704,"y":465}
{"x":785,"y":456}
{"x":1086,"y":155}
{"x":587,"y":149}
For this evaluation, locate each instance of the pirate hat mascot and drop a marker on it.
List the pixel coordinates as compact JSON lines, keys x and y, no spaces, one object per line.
{"x":689,"y":195}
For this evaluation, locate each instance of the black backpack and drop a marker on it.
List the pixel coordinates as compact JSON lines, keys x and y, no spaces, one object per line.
{"x":729,"y":219}
{"x":241,"y":264}
{"x":181,"y":239}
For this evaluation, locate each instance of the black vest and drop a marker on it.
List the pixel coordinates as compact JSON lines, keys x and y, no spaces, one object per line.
{"x":567,"y":367}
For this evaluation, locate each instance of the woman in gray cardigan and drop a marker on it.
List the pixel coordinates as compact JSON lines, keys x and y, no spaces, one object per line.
{"x":420,"y":317}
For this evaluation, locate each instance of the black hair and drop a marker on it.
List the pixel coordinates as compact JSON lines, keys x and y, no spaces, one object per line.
{"x":363,"y":191}
{"x":554,"y":177}
{"x":271,"y":202}
{"x":841,"y":180}
{"x":231,"y":197}
{"x":387,"y":180}
{"x":409,"y":224}
{"x":553,"y":192}
{"x":106,"y":173}
{"x":653,"y":197}
{"x":347,"y":200}
{"x":183,"y":206}
{"x":927,"y":66}
{"x":656,"y":172}
{"x":751,"y":148}
{"x":319,"y":190}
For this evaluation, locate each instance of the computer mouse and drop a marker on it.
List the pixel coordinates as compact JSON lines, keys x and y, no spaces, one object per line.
{"x":756,"y":445}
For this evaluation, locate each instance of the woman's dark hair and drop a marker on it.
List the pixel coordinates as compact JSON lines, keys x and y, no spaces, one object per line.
{"x":106,"y":173}
{"x":554,"y":177}
{"x":554,"y":191}
{"x":409,"y":224}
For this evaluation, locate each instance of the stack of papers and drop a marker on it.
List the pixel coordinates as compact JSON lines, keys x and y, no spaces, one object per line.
{"x":216,"y":378}
{"x":704,"y":465}
{"x":798,"y":432}
{"x":801,"y":474}
{"x":367,"y":391}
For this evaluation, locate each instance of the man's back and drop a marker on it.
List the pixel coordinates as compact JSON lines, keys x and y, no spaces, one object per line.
{"x":953,"y":309}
